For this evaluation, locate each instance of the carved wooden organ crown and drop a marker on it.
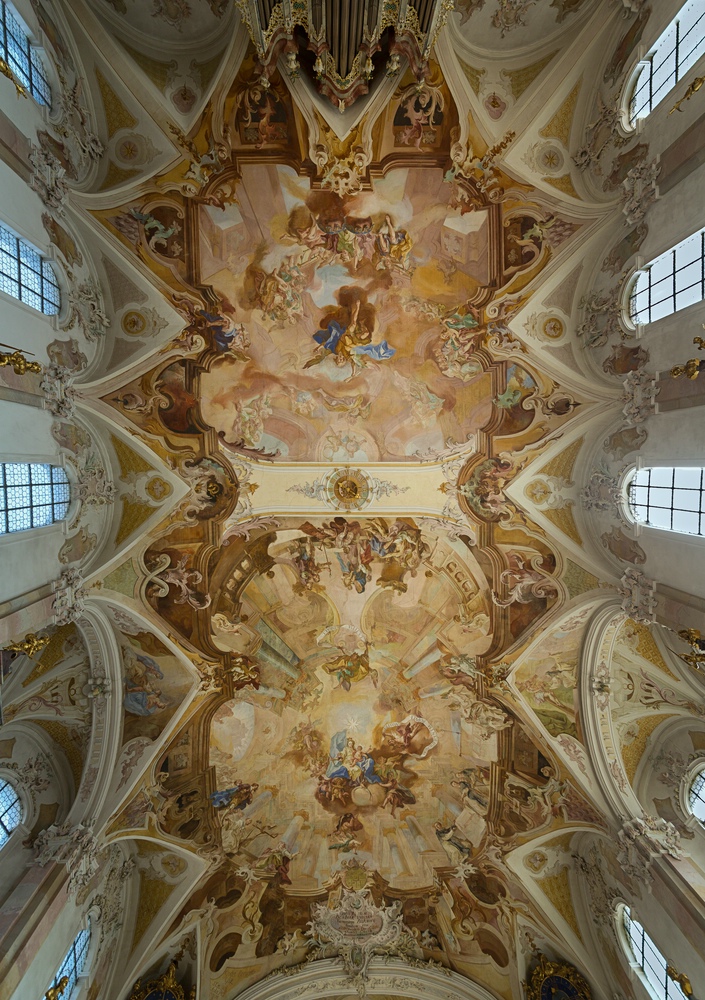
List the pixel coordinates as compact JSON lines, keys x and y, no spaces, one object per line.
{"x":344,"y":44}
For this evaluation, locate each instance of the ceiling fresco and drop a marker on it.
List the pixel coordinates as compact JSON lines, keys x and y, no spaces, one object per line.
{"x":348,"y":575}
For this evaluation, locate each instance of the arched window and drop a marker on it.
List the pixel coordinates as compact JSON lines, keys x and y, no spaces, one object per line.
{"x":678,"y":48}
{"x":671,"y":282}
{"x":10,"y":811}
{"x":650,"y":960}
{"x":21,"y":56}
{"x":31,"y":495}
{"x":669,"y":498}
{"x":696,"y":796}
{"x":73,"y":965}
{"x":26,"y":275}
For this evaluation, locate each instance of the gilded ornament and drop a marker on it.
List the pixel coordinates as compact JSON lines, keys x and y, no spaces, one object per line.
{"x":19,"y":362}
{"x":692,"y":89}
{"x":30,"y":645}
{"x":550,"y":978}
{"x":6,"y":71}
{"x":165,"y":987}
{"x":54,"y":992}
{"x":692,"y":368}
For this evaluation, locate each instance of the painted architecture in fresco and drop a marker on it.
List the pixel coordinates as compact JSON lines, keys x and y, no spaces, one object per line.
{"x":349,"y":649}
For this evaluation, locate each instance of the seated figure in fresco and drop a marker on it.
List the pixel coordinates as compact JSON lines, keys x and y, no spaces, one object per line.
{"x":141,"y":697}
{"x":238,"y":796}
{"x":344,"y":833}
{"x":350,"y":762}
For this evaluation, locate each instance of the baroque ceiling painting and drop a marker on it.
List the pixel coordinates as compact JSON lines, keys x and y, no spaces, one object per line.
{"x":349,"y":341}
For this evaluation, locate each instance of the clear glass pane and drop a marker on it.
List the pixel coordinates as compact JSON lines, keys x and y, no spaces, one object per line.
{"x":697,"y":796}
{"x":686,"y":521}
{"x":675,"y":51}
{"x":40,"y":472}
{"x":659,"y":497}
{"x":31,"y":495}
{"x":10,"y":811}
{"x":686,"y":499}
{"x":660,"y":517}
{"x":19,"y":520}
{"x":688,"y":478}
{"x":25,"y":275}
{"x":19,"y":496}
{"x":660,"y":476}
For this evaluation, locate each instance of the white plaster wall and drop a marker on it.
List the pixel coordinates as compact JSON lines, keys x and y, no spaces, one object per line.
{"x":40,"y":972}
{"x":669,"y":341}
{"x":678,"y":213}
{"x":674,"y":559}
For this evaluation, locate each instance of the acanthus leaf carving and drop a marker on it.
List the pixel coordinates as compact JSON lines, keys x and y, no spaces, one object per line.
{"x":639,"y":391}
{"x":638,"y":600}
{"x":59,"y":394}
{"x":69,"y":597}
{"x":85,"y":308}
{"x":640,"y":190}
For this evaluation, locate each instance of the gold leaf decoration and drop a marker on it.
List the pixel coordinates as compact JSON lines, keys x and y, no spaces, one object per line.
{"x":116,"y":114}
{"x":559,"y":126}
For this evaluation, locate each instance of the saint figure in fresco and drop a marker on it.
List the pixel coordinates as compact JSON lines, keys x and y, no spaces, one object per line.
{"x":346,"y":336}
{"x":343,"y":835}
{"x":351,"y":660}
{"x":350,"y":762}
{"x":142,"y":696}
{"x":397,"y":796}
{"x":351,"y":667}
{"x":394,"y":247}
{"x":238,"y":796}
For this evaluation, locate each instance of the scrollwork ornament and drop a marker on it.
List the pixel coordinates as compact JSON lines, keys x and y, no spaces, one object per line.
{"x":69,"y":598}
{"x":59,"y":394}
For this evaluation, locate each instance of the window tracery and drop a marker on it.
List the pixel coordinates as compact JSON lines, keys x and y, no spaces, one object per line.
{"x":22,"y":57}
{"x":675,"y":51}
{"x":26,"y":275}
{"x":670,"y":498}
{"x":32,"y":495}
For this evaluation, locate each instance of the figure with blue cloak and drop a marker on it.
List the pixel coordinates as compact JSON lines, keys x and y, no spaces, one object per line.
{"x":141,"y":696}
{"x":350,"y":762}
{"x":349,"y":344}
{"x":236,"y":797}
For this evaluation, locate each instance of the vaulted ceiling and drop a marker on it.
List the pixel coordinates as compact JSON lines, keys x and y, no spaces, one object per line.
{"x":350,"y":653}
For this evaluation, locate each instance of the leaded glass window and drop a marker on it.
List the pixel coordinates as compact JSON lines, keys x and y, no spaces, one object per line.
{"x":678,"y":48}
{"x":10,"y":811}
{"x":26,"y":275}
{"x":669,"y":498}
{"x":31,"y":495}
{"x":22,"y":57}
{"x":696,"y":796}
{"x":74,"y":963}
{"x":650,"y":961}
{"x":671,"y":282}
